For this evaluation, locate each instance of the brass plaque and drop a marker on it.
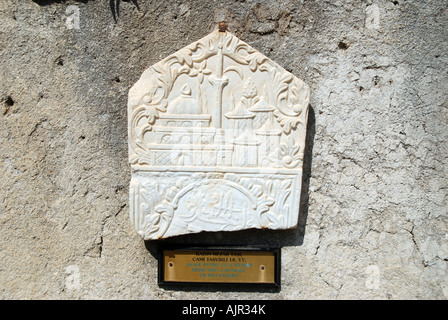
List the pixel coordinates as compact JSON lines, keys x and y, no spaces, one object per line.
{"x":201,"y":265}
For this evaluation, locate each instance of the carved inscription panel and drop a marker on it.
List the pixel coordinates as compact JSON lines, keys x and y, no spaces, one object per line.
{"x":216,"y":141}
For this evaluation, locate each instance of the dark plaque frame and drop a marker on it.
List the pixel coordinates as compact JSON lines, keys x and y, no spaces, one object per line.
{"x":182,"y":247}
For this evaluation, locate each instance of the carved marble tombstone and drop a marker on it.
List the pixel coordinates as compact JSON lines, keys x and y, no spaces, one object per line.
{"x":216,"y":141}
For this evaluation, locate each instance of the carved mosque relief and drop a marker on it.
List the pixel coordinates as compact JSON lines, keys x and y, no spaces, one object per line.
{"x":216,"y":141}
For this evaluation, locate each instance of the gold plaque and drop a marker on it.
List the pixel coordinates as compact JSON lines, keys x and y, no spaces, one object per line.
{"x":202,"y":265}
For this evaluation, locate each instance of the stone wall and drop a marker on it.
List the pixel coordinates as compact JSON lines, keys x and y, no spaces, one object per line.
{"x":373,"y":221}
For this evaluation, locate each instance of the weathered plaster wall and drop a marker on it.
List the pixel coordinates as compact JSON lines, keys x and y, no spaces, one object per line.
{"x":374,"y":203}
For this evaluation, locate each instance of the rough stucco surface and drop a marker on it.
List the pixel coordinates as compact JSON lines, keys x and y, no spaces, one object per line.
{"x":373,"y":221}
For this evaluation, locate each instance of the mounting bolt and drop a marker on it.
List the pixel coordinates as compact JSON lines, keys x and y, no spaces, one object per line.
{"x":222,"y":27}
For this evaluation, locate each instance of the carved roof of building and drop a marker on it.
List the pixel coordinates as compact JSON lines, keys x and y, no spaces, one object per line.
{"x":184,"y":104}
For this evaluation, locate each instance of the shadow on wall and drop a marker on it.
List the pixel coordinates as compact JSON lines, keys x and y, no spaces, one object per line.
{"x":256,"y":237}
{"x":115,"y":7}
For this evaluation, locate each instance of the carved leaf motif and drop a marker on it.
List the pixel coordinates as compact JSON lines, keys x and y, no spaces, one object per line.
{"x":295,"y":100}
{"x":275,"y":220}
{"x":286,"y":184}
{"x":236,"y":49}
{"x":255,"y":59}
{"x":140,"y":205}
{"x":290,"y":96}
{"x":199,"y":70}
{"x":154,"y":219}
{"x":284,"y":194}
{"x":161,"y":220}
{"x":268,"y":185}
{"x":287,"y":123}
{"x":235,"y":69}
{"x":263,"y":211}
{"x":183,"y":56}
{"x":290,"y":153}
{"x":257,"y":191}
{"x":137,"y":132}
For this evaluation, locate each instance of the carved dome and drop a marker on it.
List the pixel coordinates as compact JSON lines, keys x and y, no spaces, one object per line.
{"x":184,"y":104}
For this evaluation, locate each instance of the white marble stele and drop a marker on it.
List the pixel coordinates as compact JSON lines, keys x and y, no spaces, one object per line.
{"x":216,"y":141}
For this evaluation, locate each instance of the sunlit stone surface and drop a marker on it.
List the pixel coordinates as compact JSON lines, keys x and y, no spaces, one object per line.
{"x":216,"y":141}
